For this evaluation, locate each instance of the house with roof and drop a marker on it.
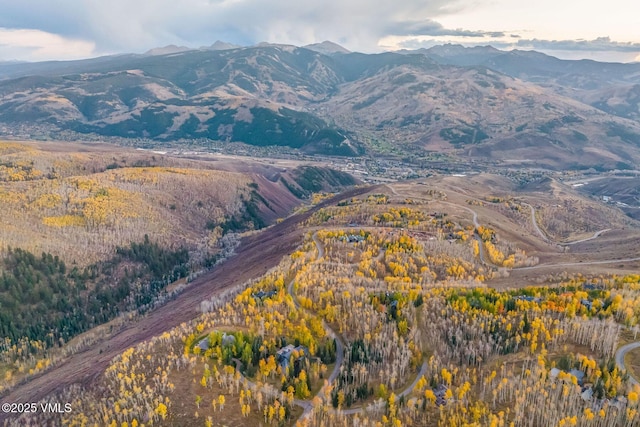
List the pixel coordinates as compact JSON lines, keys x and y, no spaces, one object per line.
{"x":262,"y":294}
{"x":587,"y":303}
{"x":619,"y":402}
{"x":587,"y":394}
{"x":578,"y":374}
{"x":283,"y":356}
{"x":528,"y":298}
{"x":352,"y":238}
{"x":203,"y":344}
{"x":441,"y":392}
{"x":228,"y":339}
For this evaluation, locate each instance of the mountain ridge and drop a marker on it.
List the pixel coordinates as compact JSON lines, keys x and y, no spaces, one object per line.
{"x":496,"y":105}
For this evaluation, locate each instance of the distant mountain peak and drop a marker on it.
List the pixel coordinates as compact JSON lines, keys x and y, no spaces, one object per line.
{"x":280,"y":45}
{"x":517,"y":106}
{"x":327,"y":47}
{"x":166,"y":50}
{"x":220,"y":45}
{"x":459,"y":55}
{"x":456,"y":49}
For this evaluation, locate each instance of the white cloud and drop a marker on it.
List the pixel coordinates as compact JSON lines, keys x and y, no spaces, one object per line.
{"x":36,"y":45}
{"x":553,"y":19}
{"x":363,"y":25}
{"x":135,"y":26}
{"x":599,"y":49}
{"x":599,"y":44}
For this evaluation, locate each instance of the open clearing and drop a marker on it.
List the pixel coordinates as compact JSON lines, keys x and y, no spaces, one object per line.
{"x":463,"y":198}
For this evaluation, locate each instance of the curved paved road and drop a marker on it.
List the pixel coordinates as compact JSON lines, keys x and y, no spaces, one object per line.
{"x":338,"y":339}
{"x":403,"y":393}
{"x":571,"y":264}
{"x":621,"y":353}
{"x":422,"y":372}
{"x":546,"y":239}
{"x":307,"y":405}
{"x":595,"y":236}
{"x":255,"y":255}
{"x":340,"y":351}
{"x":476,"y":224}
{"x":393,"y":190}
{"x":535,"y":223}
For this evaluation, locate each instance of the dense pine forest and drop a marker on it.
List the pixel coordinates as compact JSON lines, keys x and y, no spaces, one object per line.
{"x":43,"y":299}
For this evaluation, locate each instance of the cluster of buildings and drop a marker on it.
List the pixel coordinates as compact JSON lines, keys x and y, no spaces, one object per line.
{"x":352,"y":238}
{"x":587,"y":392}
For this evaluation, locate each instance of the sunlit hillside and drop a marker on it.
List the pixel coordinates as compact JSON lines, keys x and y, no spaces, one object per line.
{"x":390,"y":313}
{"x":82,"y":206}
{"x":91,"y":232}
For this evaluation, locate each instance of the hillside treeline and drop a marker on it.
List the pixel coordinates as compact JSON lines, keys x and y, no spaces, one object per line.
{"x":42,"y":299}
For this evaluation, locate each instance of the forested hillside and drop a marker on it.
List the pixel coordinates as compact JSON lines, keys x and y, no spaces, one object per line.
{"x":395,"y":321}
{"x":92,"y":232}
{"x":44,"y":300}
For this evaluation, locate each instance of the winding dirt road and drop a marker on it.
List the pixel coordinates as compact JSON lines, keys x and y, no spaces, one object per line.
{"x":255,"y":255}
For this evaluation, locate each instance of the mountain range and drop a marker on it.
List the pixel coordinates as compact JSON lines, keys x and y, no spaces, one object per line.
{"x":513,"y":107}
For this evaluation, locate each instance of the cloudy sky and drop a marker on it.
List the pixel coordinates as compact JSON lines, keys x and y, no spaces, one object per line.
{"x":68,"y":29}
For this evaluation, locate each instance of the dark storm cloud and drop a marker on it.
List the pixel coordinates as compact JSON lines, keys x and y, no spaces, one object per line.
{"x":134,"y":25}
{"x":429,"y":27}
{"x":63,"y":17}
